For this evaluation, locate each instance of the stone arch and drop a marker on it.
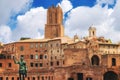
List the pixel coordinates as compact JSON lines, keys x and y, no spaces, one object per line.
{"x":95,"y":60}
{"x":110,"y":75}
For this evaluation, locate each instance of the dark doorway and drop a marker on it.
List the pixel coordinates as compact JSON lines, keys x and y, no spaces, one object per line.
{"x":80,"y":76}
{"x":110,"y":75}
{"x":70,"y":79}
{"x":95,"y":60}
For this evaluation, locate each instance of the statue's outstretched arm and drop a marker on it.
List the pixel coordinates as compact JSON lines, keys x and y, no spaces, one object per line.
{"x":16,"y":62}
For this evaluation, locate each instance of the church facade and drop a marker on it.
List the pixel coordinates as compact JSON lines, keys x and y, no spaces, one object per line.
{"x":59,"y":57}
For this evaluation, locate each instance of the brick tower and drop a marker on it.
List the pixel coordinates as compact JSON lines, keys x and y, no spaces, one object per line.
{"x":54,"y":27}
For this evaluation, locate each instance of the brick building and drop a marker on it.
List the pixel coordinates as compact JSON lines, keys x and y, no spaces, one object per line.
{"x":58,"y":57}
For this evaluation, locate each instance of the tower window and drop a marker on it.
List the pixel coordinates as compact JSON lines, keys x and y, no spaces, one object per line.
{"x":45,"y":56}
{"x":0,"y":64}
{"x":36,"y":64}
{"x":42,"y":78}
{"x":31,"y":64}
{"x":113,"y":62}
{"x":31,"y":56}
{"x":33,"y":78}
{"x":28,"y":78}
{"x":22,"y":56}
{"x":51,"y":63}
{"x":9,"y":65}
{"x":36,"y":50}
{"x":41,"y":56}
{"x":36,"y":56}
{"x":17,"y":78}
{"x":12,"y":78}
{"x":38,"y":78}
{"x":58,"y":51}
{"x":6,"y":78}
{"x":41,"y":65}
{"x":93,"y":33}
{"x":57,"y":63}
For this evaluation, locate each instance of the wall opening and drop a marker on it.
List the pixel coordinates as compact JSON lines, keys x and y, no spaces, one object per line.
{"x":95,"y":60}
{"x":70,"y":79}
{"x":113,"y":62}
{"x":79,"y":76}
{"x":110,"y":75}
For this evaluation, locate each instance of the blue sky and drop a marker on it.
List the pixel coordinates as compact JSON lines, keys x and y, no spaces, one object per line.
{"x":75,"y":3}
{"x":27,"y":18}
{"x":48,"y":3}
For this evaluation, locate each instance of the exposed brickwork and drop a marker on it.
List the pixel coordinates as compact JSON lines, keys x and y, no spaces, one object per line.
{"x":54,"y":27}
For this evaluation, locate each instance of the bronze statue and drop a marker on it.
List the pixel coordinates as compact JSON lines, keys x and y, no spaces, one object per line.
{"x":22,"y":68}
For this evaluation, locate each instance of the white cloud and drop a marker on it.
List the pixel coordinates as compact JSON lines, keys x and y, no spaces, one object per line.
{"x":116,"y":16}
{"x":109,"y":2}
{"x":65,"y":5}
{"x":81,"y":18}
{"x":31,"y":24}
{"x":5,"y":33}
{"x":11,"y":7}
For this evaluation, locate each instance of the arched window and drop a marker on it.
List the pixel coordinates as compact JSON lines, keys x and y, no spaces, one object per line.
{"x":38,"y":78}
{"x":6,"y":78}
{"x":33,"y":78}
{"x":113,"y":62}
{"x":12,"y":78}
{"x":28,"y":78}
{"x":42,"y":78}
{"x":95,"y":60}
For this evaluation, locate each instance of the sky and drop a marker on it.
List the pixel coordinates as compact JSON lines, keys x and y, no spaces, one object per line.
{"x":27,"y":18}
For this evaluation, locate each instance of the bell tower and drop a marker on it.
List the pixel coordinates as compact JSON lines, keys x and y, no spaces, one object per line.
{"x":54,"y":27}
{"x":92,"y":31}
